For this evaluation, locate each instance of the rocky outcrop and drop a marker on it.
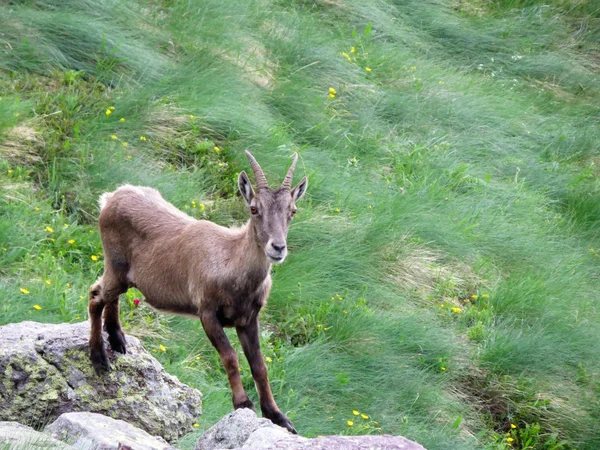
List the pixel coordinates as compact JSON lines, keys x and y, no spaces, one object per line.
{"x":15,"y":436}
{"x":98,"y":432}
{"x":47,"y":372}
{"x":242,"y":430}
{"x":233,"y":430}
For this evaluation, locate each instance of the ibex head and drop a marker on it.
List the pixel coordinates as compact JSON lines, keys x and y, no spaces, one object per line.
{"x":271,"y":210}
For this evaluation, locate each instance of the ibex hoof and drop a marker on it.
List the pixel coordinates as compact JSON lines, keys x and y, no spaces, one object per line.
{"x":117,"y":342}
{"x":245,"y":404}
{"x":281,"y":420}
{"x":100,"y":361}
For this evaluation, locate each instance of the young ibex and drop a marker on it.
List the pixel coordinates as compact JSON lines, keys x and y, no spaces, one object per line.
{"x":196,"y":267}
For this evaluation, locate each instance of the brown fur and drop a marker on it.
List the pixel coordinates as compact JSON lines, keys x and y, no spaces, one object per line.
{"x":197,"y":268}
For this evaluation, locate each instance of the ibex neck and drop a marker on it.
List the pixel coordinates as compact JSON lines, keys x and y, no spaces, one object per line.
{"x":253,"y":248}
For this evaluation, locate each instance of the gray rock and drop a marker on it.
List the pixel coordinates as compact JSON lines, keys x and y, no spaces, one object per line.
{"x":242,"y":430}
{"x":233,"y":430}
{"x":47,"y":372}
{"x":266,"y":436}
{"x":372,"y":442}
{"x":15,"y":436}
{"x":93,"y":431}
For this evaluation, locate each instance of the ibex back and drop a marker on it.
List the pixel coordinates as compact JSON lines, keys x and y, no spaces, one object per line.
{"x":198,"y":268}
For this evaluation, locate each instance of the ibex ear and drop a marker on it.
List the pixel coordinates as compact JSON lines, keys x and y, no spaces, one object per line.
{"x":300,"y":189}
{"x":245,"y":187}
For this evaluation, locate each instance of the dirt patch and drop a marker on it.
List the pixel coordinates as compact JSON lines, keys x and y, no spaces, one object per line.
{"x":21,"y":145}
{"x":427,"y":273}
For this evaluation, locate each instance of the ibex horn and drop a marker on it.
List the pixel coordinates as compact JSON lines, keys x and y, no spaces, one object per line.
{"x":261,"y":181}
{"x":287,"y":182}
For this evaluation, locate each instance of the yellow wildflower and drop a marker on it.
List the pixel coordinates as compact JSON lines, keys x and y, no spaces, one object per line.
{"x":24,"y":291}
{"x":49,"y":229}
{"x":66,"y":225}
{"x":48,"y":282}
{"x":509,"y":439}
{"x":355,"y":412}
{"x":143,"y":138}
{"x":191,"y":116}
{"x":217,"y":149}
{"x":474,"y":296}
{"x":10,"y":171}
{"x":94,"y":258}
{"x":456,"y":309}
{"x":485,"y":296}
{"x":37,"y":307}
{"x":68,"y":284}
{"x":368,"y":69}
{"x":331,"y":95}
{"x":443,"y":369}
{"x":513,"y":426}
{"x":345,"y":311}
{"x":413,"y":68}
{"x":112,"y":108}
{"x":345,"y":55}
{"x":269,"y":359}
{"x":350,"y":423}
{"x":332,"y":91}
{"x":37,"y":208}
{"x":122,"y":119}
{"x":197,"y":358}
{"x":162,"y":348}
{"x":124,"y":144}
{"x":352,"y":50}
{"x":114,"y":137}
{"x":196,"y":425}
{"x":201,"y":207}
{"x":108,"y":112}
{"x":364,"y":416}
{"x":193,"y":203}
{"x":71,"y":241}
{"x":337,"y":210}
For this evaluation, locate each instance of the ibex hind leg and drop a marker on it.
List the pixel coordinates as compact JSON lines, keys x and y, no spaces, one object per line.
{"x":112,"y":325}
{"x":95,"y":308}
{"x":104,"y":296}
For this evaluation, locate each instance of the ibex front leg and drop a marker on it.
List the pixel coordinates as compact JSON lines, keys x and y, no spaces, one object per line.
{"x":249,"y":339}
{"x":218,"y":338}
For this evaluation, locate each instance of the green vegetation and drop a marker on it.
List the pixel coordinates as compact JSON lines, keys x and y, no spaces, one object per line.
{"x":442,"y":277}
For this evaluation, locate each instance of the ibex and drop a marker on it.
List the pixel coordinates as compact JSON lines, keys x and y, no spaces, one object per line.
{"x":198,"y":268}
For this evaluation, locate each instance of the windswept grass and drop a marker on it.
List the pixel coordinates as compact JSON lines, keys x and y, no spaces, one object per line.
{"x":442,"y":277}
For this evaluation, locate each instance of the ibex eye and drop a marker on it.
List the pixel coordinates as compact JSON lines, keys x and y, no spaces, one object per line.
{"x":253,"y":210}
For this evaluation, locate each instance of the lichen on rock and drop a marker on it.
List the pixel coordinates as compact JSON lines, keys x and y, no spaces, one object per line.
{"x":48,"y":372}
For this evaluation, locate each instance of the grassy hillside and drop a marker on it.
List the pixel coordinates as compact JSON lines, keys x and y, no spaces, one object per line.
{"x":443,"y":268}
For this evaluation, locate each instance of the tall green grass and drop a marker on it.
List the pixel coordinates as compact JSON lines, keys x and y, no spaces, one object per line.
{"x":441,"y":277}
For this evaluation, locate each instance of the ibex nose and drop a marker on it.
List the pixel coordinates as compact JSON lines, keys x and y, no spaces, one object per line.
{"x":278,"y":247}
